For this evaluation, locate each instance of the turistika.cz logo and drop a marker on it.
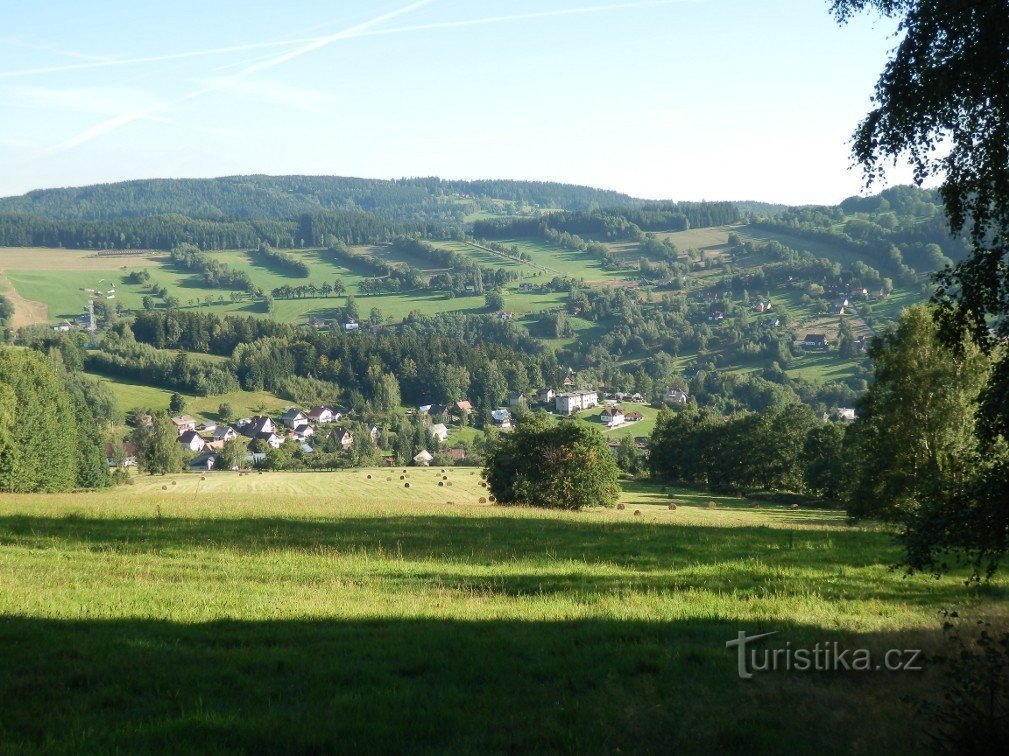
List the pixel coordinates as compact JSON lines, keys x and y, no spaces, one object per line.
{"x":828,"y":656}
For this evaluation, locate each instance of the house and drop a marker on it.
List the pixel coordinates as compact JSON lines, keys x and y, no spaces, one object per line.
{"x":436,"y":410}
{"x":569,"y":379}
{"x":773,"y":322}
{"x":462,"y":406}
{"x":374,"y":433}
{"x":259,"y":425}
{"x":763,"y":305}
{"x":844,"y":413}
{"x":457,"y":455}
{"x":270,"y":439}
{"x":63,"y":327}
{"x":303,"y":431}
{"x":815,"y":341}
{"x":129,"y":455}
{"x":307,"y":449}
{"x":545,"y":395}
{"x":439,"y":431}
{"x":612,"y":417}
{"x":423,"y":458}
{"x":839,"y":306}
{"x":578,"y":400}
{"x":633,"y":417}
{"x":192,"y":441}
{"x":203,"y":462}
{"x":225,"y":433}
{"x":515,"y":398}
{"x":636,"y":397}
{"x":675,"y":396}
{"x":321,"y":415}
{"x":424,"y":409}
{"x":502,"y":418}
{"x":859,"y":291}
{"x":184,"y":423}
{"x":344,"y":436}
{"x":207,"y":427}
{"x":293,"y":417}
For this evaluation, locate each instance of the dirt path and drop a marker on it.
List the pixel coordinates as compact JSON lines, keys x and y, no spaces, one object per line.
{"x":26,"y":312}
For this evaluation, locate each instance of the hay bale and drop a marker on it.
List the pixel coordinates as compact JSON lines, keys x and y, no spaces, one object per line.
{"x":712,"y":505}
{"x":401,"y":477}
{"x":672,"y":506}
{"x":444,"y":477}
{"x":406,"y":485}
{"x":441,"y":483}
{"x":173,"y":482}
{"x":483,"y":500}
{"x":620,"y":505}
{"x":491,"y":499}
{"x":203,"y":477}
{"x":388,"y":480}
{"x":794,"y":507}
{"x":637,"y":513}
{"x":754,"y":505}
{"x":449,"y":483}
{"x":443,"y":469}
{"x":672,"y":496}
{"x":369,"y":477}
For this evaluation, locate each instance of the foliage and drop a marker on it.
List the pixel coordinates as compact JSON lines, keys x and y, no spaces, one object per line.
{"x":562,"y":466}
{"x":158,"y":449}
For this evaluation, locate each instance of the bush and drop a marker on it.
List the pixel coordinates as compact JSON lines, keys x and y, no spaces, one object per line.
{"x":563,"y":466}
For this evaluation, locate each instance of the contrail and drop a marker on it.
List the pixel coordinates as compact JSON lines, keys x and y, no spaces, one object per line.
{"x":107,"y":63}
{"x":119,"y":121}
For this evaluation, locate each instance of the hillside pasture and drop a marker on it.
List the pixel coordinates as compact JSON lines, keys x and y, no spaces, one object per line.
{"x":322,"y":612}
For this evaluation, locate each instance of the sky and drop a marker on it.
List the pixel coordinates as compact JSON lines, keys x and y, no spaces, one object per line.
{"x":661,"y":99}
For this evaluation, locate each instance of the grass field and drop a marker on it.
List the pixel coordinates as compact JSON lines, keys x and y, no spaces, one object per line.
{"x":332,"y":612}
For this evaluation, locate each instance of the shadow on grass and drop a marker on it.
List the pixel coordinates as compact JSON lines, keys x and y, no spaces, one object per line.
{"x":428,"y":685}
{"x":559,"y":556}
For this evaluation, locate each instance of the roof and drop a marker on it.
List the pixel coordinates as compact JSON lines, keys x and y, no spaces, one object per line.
{"x":183,"y":420}
{"x":463,"y":404}
{"x":423,"y":455}
{"x":815,"y":337}
{"x":439,"y":428}
{"x":317,"y":412}
{"x":291,"y":413}
{"x":222,"y":430}
{"x":189,"y":436}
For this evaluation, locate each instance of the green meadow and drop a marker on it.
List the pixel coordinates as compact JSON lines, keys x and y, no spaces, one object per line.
{"x":346,"y":612}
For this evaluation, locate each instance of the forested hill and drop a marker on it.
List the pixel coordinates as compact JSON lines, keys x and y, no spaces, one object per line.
{"x":285,"y":197}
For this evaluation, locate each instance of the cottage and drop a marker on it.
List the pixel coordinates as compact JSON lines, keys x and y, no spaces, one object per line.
{"x":461,"y":407}
{"x":192,"y":441}
{"x":439,"y":431}
{"x":423,"y":458}
{"x":633,"y":417}
{"x":568,"y":404}
{"x":293,"y":417}
{"x":815,"y":341}
{"x":675,"y":396}
{"x":545,"y":395}
{"x":321,"y":415}
{"x":502,"y":418}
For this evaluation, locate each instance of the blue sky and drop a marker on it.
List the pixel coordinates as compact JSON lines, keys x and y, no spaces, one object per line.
{"x":688,"y":99}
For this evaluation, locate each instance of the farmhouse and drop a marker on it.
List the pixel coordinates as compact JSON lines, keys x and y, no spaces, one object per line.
{"x":815,"y":341}
{"x":578,"y":400}
{"x":502,"y":418}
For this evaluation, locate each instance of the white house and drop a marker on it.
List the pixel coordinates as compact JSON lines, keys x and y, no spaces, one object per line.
{"x":612,"y":417}
{"x":304,"y":431}
{"x":293,"y":417}
{"x":184,"y":423}
{"x":192,"y":441}
{"x":225,"y":433}
{"x":502,"y":418}
{"x":439,"y":431}
{"x":344,"y":436}
{"x":545,"y":395}
{"x":423,"y":458}
{"x":578,"y":400}
{"x":321,"y":415}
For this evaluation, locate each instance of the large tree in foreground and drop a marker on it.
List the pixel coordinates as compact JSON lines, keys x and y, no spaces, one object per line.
{"x":942,"y":101}
{"x":562,"y":466}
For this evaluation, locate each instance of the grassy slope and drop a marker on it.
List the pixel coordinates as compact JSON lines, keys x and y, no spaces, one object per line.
{"x":328,"y":611}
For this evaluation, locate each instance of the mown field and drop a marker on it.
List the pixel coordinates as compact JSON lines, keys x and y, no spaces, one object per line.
{"x":333,"y":612}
